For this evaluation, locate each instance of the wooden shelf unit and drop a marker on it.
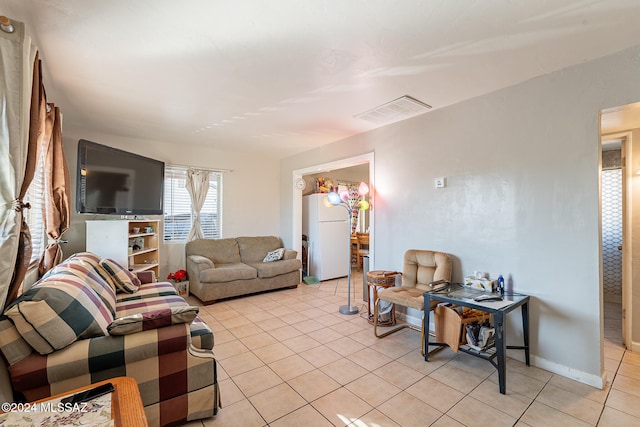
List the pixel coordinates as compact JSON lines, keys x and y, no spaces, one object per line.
{"x":116,"y":239}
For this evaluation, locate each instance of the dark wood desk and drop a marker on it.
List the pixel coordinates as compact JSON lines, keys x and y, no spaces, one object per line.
{"x":463,"y":296}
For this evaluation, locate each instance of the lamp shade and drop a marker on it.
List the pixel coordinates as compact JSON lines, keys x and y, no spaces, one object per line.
{"x":363,"y":188}
{"x":333,"y":198}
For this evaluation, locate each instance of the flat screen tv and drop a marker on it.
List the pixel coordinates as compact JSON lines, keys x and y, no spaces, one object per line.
{"x":112,"y":181}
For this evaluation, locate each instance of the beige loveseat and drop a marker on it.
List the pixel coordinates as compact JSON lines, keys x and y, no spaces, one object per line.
{"x":231,"y":267}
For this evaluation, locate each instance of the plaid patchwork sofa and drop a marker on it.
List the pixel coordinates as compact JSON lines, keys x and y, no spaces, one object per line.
{"x":89,"y":319}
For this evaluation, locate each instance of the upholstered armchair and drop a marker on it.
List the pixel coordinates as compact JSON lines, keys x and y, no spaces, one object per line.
{"x":422,"y":269}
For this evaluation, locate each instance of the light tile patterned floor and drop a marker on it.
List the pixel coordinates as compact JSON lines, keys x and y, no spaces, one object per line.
{"x":289,"y":358}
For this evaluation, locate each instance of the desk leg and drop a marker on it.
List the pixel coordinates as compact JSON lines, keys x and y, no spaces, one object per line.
{"x":501,"y":350}
{"x":425,"y":325}
{"x":525,"y":330}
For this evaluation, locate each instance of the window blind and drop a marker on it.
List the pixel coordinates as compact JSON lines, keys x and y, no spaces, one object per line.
{"x":178,"y":211}
{"x":34,"y":217}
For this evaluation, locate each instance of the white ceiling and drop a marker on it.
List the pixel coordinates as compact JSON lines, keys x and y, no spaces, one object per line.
{"x":285,"y":76}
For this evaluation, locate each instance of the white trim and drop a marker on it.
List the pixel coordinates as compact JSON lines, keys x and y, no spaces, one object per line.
{"x":565,"y":371}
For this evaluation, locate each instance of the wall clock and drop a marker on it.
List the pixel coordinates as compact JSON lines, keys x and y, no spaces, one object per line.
{"x":301,"y":184}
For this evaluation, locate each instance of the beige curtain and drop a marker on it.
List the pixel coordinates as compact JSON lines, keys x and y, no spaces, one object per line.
{"x":197,"y":185}
{"x":17,"y":59}
{"x":56,"y":190}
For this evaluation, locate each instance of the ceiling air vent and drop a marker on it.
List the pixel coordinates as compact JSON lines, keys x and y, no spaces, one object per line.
{"x":393,"y":111}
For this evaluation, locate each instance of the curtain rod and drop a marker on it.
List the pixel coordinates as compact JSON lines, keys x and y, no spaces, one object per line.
{"x":200,"y":168}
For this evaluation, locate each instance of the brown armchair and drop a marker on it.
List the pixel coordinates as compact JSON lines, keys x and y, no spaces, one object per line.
{"x":422,"y":268}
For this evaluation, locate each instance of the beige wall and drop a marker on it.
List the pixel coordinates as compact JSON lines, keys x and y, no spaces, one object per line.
{"x":250,"y":198}
{"x":509,"y":208}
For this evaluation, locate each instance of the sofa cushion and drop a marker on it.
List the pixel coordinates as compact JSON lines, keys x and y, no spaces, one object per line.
{"x":276,"y":268}
{"x":124,"y":279}
{"x":94,"y":261}
{"x":254,"y":249}
{"x":220,"y":251}
{"x":58,"y":311}
{"x":89,"y":273}
{"x":150,"y":297}
{"x":228,"y":273}
{"x":152,"y":320}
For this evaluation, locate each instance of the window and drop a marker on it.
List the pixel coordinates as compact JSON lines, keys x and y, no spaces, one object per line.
{"x":178,"y":212}
{"x":34,"y":217}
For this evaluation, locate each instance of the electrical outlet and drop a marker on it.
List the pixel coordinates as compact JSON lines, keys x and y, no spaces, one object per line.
{"x":440,"y":182}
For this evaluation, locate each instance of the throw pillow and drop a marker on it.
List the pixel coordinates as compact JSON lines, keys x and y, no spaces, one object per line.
{"x":57,"y":312}
{"x":94,"y":261}
{"x":91,"y":277}
{"x":124,"y":279}
{"x":152,"y":320}
{"x":274,"y":255}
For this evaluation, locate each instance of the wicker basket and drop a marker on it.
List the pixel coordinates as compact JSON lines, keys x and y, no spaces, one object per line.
{"x":382,"y":278}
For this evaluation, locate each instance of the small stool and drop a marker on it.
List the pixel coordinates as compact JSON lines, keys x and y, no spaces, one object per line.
{"x":383,"y":279}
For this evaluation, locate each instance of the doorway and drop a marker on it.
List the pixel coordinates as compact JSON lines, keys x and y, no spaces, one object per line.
{"x":298,"y":175}
{"x":612,"y":177}
{"x":618,"y":126}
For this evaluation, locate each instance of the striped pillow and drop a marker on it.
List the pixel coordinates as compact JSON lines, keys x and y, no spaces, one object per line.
{"x":91,"y":277}
{"x":57,"y":312}
{"x":152,"y":320}
{"x":124,"y":279}
{"x":94,"y":261}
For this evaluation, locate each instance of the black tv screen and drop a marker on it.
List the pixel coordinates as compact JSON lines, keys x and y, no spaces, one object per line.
{"x":112,"y":181}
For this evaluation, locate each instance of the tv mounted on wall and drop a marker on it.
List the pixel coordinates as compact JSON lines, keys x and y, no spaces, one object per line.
{"x":112,"y":181}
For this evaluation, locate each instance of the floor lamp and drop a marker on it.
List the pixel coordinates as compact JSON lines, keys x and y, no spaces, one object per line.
{"x":350,"y":203}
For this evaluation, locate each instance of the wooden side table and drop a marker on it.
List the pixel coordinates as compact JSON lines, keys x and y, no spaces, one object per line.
{"x":382,"y":279}
{"x":126,"y":404}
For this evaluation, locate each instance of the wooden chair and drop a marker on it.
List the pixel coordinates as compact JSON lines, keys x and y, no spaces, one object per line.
{"x":363,"y":248}
{"x":421,"y":269}
{"x":354,"y":249}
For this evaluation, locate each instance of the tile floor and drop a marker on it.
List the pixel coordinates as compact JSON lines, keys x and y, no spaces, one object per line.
{"x":289,"y":358}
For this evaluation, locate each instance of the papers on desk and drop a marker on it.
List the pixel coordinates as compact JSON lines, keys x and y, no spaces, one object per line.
{"x":470,"y":293}
{"x":496,"y":305}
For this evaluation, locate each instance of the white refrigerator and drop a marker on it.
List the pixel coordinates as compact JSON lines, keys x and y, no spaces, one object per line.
{"x":329,"y":238}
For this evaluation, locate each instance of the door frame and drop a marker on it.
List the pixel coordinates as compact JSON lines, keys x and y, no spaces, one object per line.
{"x":627,"y":193}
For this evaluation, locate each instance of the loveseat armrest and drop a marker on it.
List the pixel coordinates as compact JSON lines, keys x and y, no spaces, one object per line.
{"x":159,"y":318}
{"x":13,"y":348}
{"x":201,"y":262}
{"x":290,"y":254}
{"x":147,"y":276}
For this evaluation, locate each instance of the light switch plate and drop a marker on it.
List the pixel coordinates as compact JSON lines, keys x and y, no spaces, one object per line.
{"x":440,"y":182}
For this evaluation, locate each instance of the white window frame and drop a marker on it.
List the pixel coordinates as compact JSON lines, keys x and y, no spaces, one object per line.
{"x":178,"y":211}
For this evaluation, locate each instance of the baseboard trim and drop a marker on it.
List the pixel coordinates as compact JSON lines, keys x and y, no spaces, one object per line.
{"x":565,"y":371}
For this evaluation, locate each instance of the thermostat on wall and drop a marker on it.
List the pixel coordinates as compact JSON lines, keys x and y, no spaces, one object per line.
{"x":440,"y":182}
